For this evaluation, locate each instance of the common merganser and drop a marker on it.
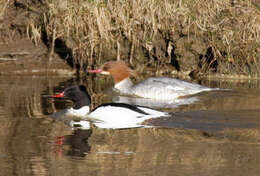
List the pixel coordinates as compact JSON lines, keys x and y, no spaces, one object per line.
{"x":159,"y":88}
{"x":109,"y":115}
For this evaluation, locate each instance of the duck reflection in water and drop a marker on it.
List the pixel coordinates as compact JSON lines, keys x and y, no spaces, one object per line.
{"x":78,"y":142}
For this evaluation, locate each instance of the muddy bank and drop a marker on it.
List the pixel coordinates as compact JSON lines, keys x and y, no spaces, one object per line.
{"x":23,"y":57}
{"x":177,"y":38}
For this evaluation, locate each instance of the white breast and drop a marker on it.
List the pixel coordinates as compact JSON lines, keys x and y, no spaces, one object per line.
{"x":78,"y":112}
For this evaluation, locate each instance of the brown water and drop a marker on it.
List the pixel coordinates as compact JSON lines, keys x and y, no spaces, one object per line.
{"x":218,"y":135}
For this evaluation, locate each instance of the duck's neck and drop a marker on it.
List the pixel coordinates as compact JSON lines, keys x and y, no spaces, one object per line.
{"x":81,"y":101}
{"x":124,"y":86}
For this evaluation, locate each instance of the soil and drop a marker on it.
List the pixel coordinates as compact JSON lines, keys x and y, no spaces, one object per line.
{"x":19,"y":55}
{"x":23,"y":57}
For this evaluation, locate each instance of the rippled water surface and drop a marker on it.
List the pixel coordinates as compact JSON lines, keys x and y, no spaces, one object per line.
{"x":219,"y":134}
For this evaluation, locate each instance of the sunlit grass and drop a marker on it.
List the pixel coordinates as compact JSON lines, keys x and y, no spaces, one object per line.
{"x":3,"y":6}
{"x":231,"y":28}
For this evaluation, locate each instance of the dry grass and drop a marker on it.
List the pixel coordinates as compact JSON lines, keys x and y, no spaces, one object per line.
{"x":233,"y":31}
{"x":3,"y":5}
{"x":231,"y":28}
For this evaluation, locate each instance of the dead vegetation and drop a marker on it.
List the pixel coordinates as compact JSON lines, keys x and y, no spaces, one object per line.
{"x":3,"y":6}
{"x":198,"y":37}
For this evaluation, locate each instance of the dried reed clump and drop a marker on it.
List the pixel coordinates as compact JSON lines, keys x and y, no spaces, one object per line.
{"x":3,"y":6}
{"x":230,"y":28}
{"x":94,"y":25}
{"x":233,"y":30}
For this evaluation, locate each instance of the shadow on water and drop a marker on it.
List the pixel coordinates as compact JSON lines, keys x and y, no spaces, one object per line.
{"x":218,"y":134}
{"x":78,"y":142}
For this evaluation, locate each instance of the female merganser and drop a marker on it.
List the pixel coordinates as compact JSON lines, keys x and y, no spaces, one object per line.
{"x":159,"y":88}
{"x":109,"y":115}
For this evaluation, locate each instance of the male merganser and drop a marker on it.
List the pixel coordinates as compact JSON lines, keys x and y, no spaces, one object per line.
{"x":159,"y":88}
{"x":109,"y":115}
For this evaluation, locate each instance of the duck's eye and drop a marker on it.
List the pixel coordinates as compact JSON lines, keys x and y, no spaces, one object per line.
{"x":107,"y":67}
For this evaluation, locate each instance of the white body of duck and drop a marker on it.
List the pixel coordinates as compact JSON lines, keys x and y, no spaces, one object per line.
{"x":158,"y":88}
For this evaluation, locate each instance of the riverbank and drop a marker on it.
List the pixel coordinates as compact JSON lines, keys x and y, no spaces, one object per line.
{"x":203,"y":39}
